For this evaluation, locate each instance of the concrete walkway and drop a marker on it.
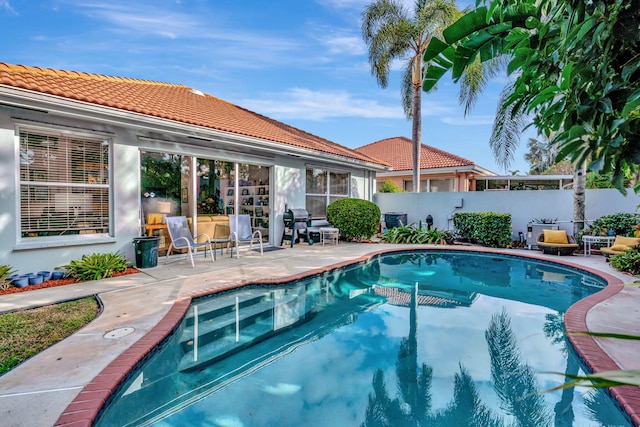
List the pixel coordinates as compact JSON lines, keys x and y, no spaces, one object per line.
{"x":37,"y":392}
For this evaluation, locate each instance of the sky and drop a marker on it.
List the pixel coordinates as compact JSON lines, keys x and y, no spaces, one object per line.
{"x":302,"y":62}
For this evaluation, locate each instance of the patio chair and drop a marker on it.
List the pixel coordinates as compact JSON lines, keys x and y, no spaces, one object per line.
{"x":221,"y":236}
{"x":620,"y":244}
{"x":556,"y":242}
{"x":181,"y":238}
{"x":241,"y":232}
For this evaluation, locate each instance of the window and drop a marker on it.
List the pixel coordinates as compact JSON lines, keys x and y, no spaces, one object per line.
{"x":431,"y":185}
{"x":408,"y":185}
{"x":440,"y":185}
{"x":323,"y":187}
{"x":64,"y":184}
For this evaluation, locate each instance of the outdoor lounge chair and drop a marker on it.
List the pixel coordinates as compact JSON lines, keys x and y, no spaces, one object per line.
{"x":620,"y":244}
{"x":556,"y":242}
{"x":181,"y":238}
{"x":241,"y":232}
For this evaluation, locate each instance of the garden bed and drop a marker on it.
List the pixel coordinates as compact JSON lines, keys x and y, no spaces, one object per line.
{"x":60,"y":282}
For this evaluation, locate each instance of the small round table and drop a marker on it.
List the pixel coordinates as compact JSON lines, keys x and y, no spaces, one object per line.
{"x":589,"y":240}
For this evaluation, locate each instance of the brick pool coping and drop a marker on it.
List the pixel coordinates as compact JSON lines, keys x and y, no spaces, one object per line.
{"x":86,"y":406}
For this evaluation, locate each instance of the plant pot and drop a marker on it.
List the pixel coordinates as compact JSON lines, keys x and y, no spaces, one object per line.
{"x":21,"y":281}
{"x":35,"y":279}
{"x":46,"y":275}
{"x":57,"y":275}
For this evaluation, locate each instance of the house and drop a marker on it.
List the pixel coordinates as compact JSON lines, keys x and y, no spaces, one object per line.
{"x":439,"y":170}
{"x":89,"y":162}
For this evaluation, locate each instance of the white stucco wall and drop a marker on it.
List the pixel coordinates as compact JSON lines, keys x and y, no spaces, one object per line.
{"x":28,"y":255}
{"x":523,"y":206}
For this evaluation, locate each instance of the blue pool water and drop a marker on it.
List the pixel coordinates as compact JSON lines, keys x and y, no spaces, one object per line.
{"x":409,"y":339}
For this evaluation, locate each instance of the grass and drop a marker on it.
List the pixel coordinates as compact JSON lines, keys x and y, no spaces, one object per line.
{"x":28,"y":332}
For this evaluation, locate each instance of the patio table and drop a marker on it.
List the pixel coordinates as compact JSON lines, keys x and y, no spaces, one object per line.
{"x":589,"y":240}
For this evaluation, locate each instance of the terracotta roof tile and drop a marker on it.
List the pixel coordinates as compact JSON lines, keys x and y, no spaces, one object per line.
{"x":397,"y":152}
{"x":167,"y":101}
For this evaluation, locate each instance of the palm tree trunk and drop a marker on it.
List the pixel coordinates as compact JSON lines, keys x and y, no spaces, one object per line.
{"x":416,"y":135}
{"x":579,"y":199}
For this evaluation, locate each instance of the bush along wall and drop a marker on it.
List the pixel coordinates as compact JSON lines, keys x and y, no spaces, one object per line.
{"x":484,"y":228}
{"x":356,"y":218}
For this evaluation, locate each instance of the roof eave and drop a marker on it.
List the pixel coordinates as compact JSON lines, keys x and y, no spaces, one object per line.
{"x":437,"y":171}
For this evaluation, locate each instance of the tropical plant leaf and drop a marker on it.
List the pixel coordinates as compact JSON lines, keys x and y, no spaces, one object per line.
{"x":603,"y":379}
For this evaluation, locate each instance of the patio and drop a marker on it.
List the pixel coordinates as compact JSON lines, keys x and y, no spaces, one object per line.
{"x":40,"y":390}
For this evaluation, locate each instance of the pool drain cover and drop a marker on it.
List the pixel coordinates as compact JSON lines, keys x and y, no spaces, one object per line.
{"x":119,"y":333}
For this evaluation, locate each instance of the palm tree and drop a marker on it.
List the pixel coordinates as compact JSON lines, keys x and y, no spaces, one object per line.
{"x":392,"y":33}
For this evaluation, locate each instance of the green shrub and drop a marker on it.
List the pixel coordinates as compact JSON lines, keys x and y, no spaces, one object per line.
{"x":415,"y":233}
{"x":484,"y":228}
{"x":621,"y":223}
{"x":389,"y":186}
{"x":628,"y":261}
{"x":96,"y":266}
{"x":356,"y":218}
{"x":5,"y":272}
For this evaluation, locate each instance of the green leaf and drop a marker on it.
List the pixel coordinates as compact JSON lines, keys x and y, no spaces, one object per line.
{"x":631,"y":106}
{"x":608,"y":335}
{"x":434,"y":48}
{"x":545,"y":95}
{"x":466,"y":25}
{"x":437,"y":68}
{"x":565,"y":77}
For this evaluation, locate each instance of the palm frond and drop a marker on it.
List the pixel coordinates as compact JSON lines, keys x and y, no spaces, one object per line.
{"x":407,"y":89}
{"x":508,"y":126}
{"x":383,"y":31}
{"x":475,"y":78}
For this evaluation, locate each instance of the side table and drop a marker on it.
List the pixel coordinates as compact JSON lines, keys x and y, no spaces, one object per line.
{"x":589,"y":240}
{"x":329,"y":234}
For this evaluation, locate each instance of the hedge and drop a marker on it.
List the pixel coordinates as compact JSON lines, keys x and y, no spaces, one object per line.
{"x":356,"y":218}
{"x":484,"y":228}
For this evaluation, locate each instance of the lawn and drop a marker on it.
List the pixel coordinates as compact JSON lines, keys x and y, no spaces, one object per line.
{"x":26,"y":333}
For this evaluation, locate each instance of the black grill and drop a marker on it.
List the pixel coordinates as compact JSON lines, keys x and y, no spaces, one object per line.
{"x":296,"y":226}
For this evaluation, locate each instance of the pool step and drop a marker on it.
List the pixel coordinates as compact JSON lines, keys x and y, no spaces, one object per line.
{"x":230,"y":324}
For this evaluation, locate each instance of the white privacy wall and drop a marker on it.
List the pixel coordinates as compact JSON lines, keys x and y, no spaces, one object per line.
{"x":524,"y":206}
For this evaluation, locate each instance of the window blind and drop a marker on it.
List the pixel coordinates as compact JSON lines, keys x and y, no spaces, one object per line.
{"x":64,"y":185}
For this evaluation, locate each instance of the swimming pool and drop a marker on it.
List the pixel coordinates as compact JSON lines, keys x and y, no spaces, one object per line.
{"x":420,"y":338}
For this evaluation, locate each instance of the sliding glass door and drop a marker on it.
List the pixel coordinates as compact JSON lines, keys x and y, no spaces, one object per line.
{"x":173,"y":184}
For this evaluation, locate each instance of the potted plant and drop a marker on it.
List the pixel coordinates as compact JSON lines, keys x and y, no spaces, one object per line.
{"x":5,"y":272}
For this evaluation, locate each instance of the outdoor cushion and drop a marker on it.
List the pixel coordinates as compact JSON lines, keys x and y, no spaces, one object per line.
{"x":566,"y":248}
{"x":621,"y":244}
{"x":555,"y":236}
{"x":626,"y":241}
{"x":619,"y":247}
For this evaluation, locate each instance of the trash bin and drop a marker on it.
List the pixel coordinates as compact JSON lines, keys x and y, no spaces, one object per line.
{"x":146,"y":249}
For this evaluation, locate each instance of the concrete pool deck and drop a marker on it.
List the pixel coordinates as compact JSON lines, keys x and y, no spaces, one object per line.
{"x":65,"y":384}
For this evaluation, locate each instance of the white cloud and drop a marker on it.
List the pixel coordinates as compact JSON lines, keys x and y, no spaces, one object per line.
{"x":4,"y":4}
{"x":142,"y":20}
{"x":344,"y":44}
{"x":299,"y":103}
{"x":306,"y":104}
{"x":469,"y":120}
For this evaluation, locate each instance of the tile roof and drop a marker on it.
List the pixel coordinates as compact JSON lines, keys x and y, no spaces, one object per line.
{"x":397,"y":152}
{"x":167,"y":101}
{"x":402,"y":298}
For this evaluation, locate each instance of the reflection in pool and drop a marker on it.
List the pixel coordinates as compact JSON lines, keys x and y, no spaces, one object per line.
{"x":422,"y":338}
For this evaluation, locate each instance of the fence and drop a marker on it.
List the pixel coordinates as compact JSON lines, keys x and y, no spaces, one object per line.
{"x":524,"y":206}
